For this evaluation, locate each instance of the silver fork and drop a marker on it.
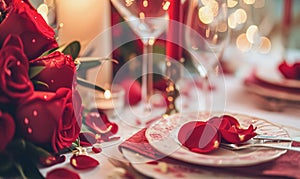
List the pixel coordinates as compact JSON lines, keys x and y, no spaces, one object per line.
{"x":253,"y":145}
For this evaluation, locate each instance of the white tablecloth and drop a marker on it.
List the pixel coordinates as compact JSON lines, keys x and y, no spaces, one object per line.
{"x":238,"y":100}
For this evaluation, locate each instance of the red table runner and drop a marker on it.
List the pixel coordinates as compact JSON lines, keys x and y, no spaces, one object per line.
{"x":288,"y":165}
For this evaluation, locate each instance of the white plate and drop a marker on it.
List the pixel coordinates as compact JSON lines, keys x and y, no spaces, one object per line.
{"x":176,"y":169}
{"x":273,"y":76}
{"x":162,"y":135}
{"x":271,"y":93}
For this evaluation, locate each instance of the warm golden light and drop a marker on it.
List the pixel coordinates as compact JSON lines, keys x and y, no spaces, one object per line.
{"x":142,"y":15}
{"x":166,"y":5}
{"x":240,"y":16}
{"x":231,"y":3}
{"x":214,"y":6}
{"x":128,"y":2}
{"x":145,"y":3}
{"x":231,"y":21}
{"x":107,"y":94}
{"x":249,"y":2}
{"x":242,"y":43}
{"x":265,"y":45}
{"x":205,"y":15}
{"x":222,"y":27}
{"x":252,"y":33}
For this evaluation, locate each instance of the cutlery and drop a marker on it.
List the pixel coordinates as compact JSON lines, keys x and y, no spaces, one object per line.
{"x":275,"y":138}
{"x":255,"y":145}
{"x":131,"y":172}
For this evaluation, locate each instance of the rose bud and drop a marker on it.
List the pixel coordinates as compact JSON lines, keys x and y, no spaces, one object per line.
{"x":14,"y":80}
{"x":199,"y":137}
{"x":50,"y":119}
{"x":98,"y":121}
{"x":59,"y":71}
{"x":7,"y":129}
{"x":24,"y":21}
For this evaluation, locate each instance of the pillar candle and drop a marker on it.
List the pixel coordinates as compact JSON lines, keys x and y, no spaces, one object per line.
{"x":87,"y":21}
{"x":174,"y":32}
{"x":287,"y":13}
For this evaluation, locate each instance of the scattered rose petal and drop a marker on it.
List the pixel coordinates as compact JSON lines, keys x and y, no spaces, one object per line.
{"x":98,"y":121}
{"x":199,"y":137}
{"x":96,"y":149}
{"x":82,"y":162}
{"x":87,"y":139}
{"x":52,"y":160}
{"x":62,"y":173}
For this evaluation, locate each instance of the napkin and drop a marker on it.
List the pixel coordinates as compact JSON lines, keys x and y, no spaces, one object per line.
{"x":287,"y":165}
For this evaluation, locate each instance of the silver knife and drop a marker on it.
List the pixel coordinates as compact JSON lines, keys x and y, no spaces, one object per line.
{"x":276,"y":138}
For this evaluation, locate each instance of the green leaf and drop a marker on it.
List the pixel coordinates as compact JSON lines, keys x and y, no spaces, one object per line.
{"x":33,"y":71}
{"x":40,"y":83}
{"x":6,"y":162}
{"x":28,"y":169}
{"x":72,"y":49}
{"x":36,"y":151}
{"x":49,"y":52}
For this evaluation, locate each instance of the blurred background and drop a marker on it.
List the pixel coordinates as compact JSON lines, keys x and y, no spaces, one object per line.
{"x":258,"y":33}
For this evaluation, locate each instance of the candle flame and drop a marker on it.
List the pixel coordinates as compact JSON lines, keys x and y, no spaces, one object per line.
{"x":107,"y":94}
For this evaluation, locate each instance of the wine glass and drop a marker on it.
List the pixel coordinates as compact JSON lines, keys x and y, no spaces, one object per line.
{"x":148,"y":19}
{"x":206,"y":35}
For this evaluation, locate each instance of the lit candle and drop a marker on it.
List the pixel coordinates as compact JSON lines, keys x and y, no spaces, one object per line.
{"x":111,"y":101}
{"x":83,"y":20}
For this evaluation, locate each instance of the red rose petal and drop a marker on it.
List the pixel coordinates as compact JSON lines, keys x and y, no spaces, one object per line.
{"x":87,"y":139}
{"x":236,"y":135}
{"x":62,"y":173}
{"x":52,"y":160}
{"x":82,"y":162}
{"x":98,"y":121}
{"x":199,"y":137}
{"x":96,"y":149}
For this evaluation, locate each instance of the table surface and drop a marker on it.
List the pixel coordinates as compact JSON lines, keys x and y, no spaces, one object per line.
{"x":238,"y":100}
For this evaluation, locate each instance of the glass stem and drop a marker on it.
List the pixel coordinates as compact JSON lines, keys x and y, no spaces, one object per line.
{"x":147,"y":73}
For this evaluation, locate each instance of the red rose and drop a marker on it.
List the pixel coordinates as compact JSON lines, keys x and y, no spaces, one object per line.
{"x":50,"y":118}
{"x":24,"y":21}
{"x":7,"y":129}
{"x":58,"y":72}
{"x":14,"y":80}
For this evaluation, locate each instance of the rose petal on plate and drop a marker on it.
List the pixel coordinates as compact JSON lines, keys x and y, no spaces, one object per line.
{"x":236,"y":136}
{"x":82,"y":162}
{"x":199,"y":137}
{"x":64,"y":173}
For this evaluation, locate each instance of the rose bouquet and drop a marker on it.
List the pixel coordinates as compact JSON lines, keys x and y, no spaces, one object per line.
{"x":40,"y":108}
